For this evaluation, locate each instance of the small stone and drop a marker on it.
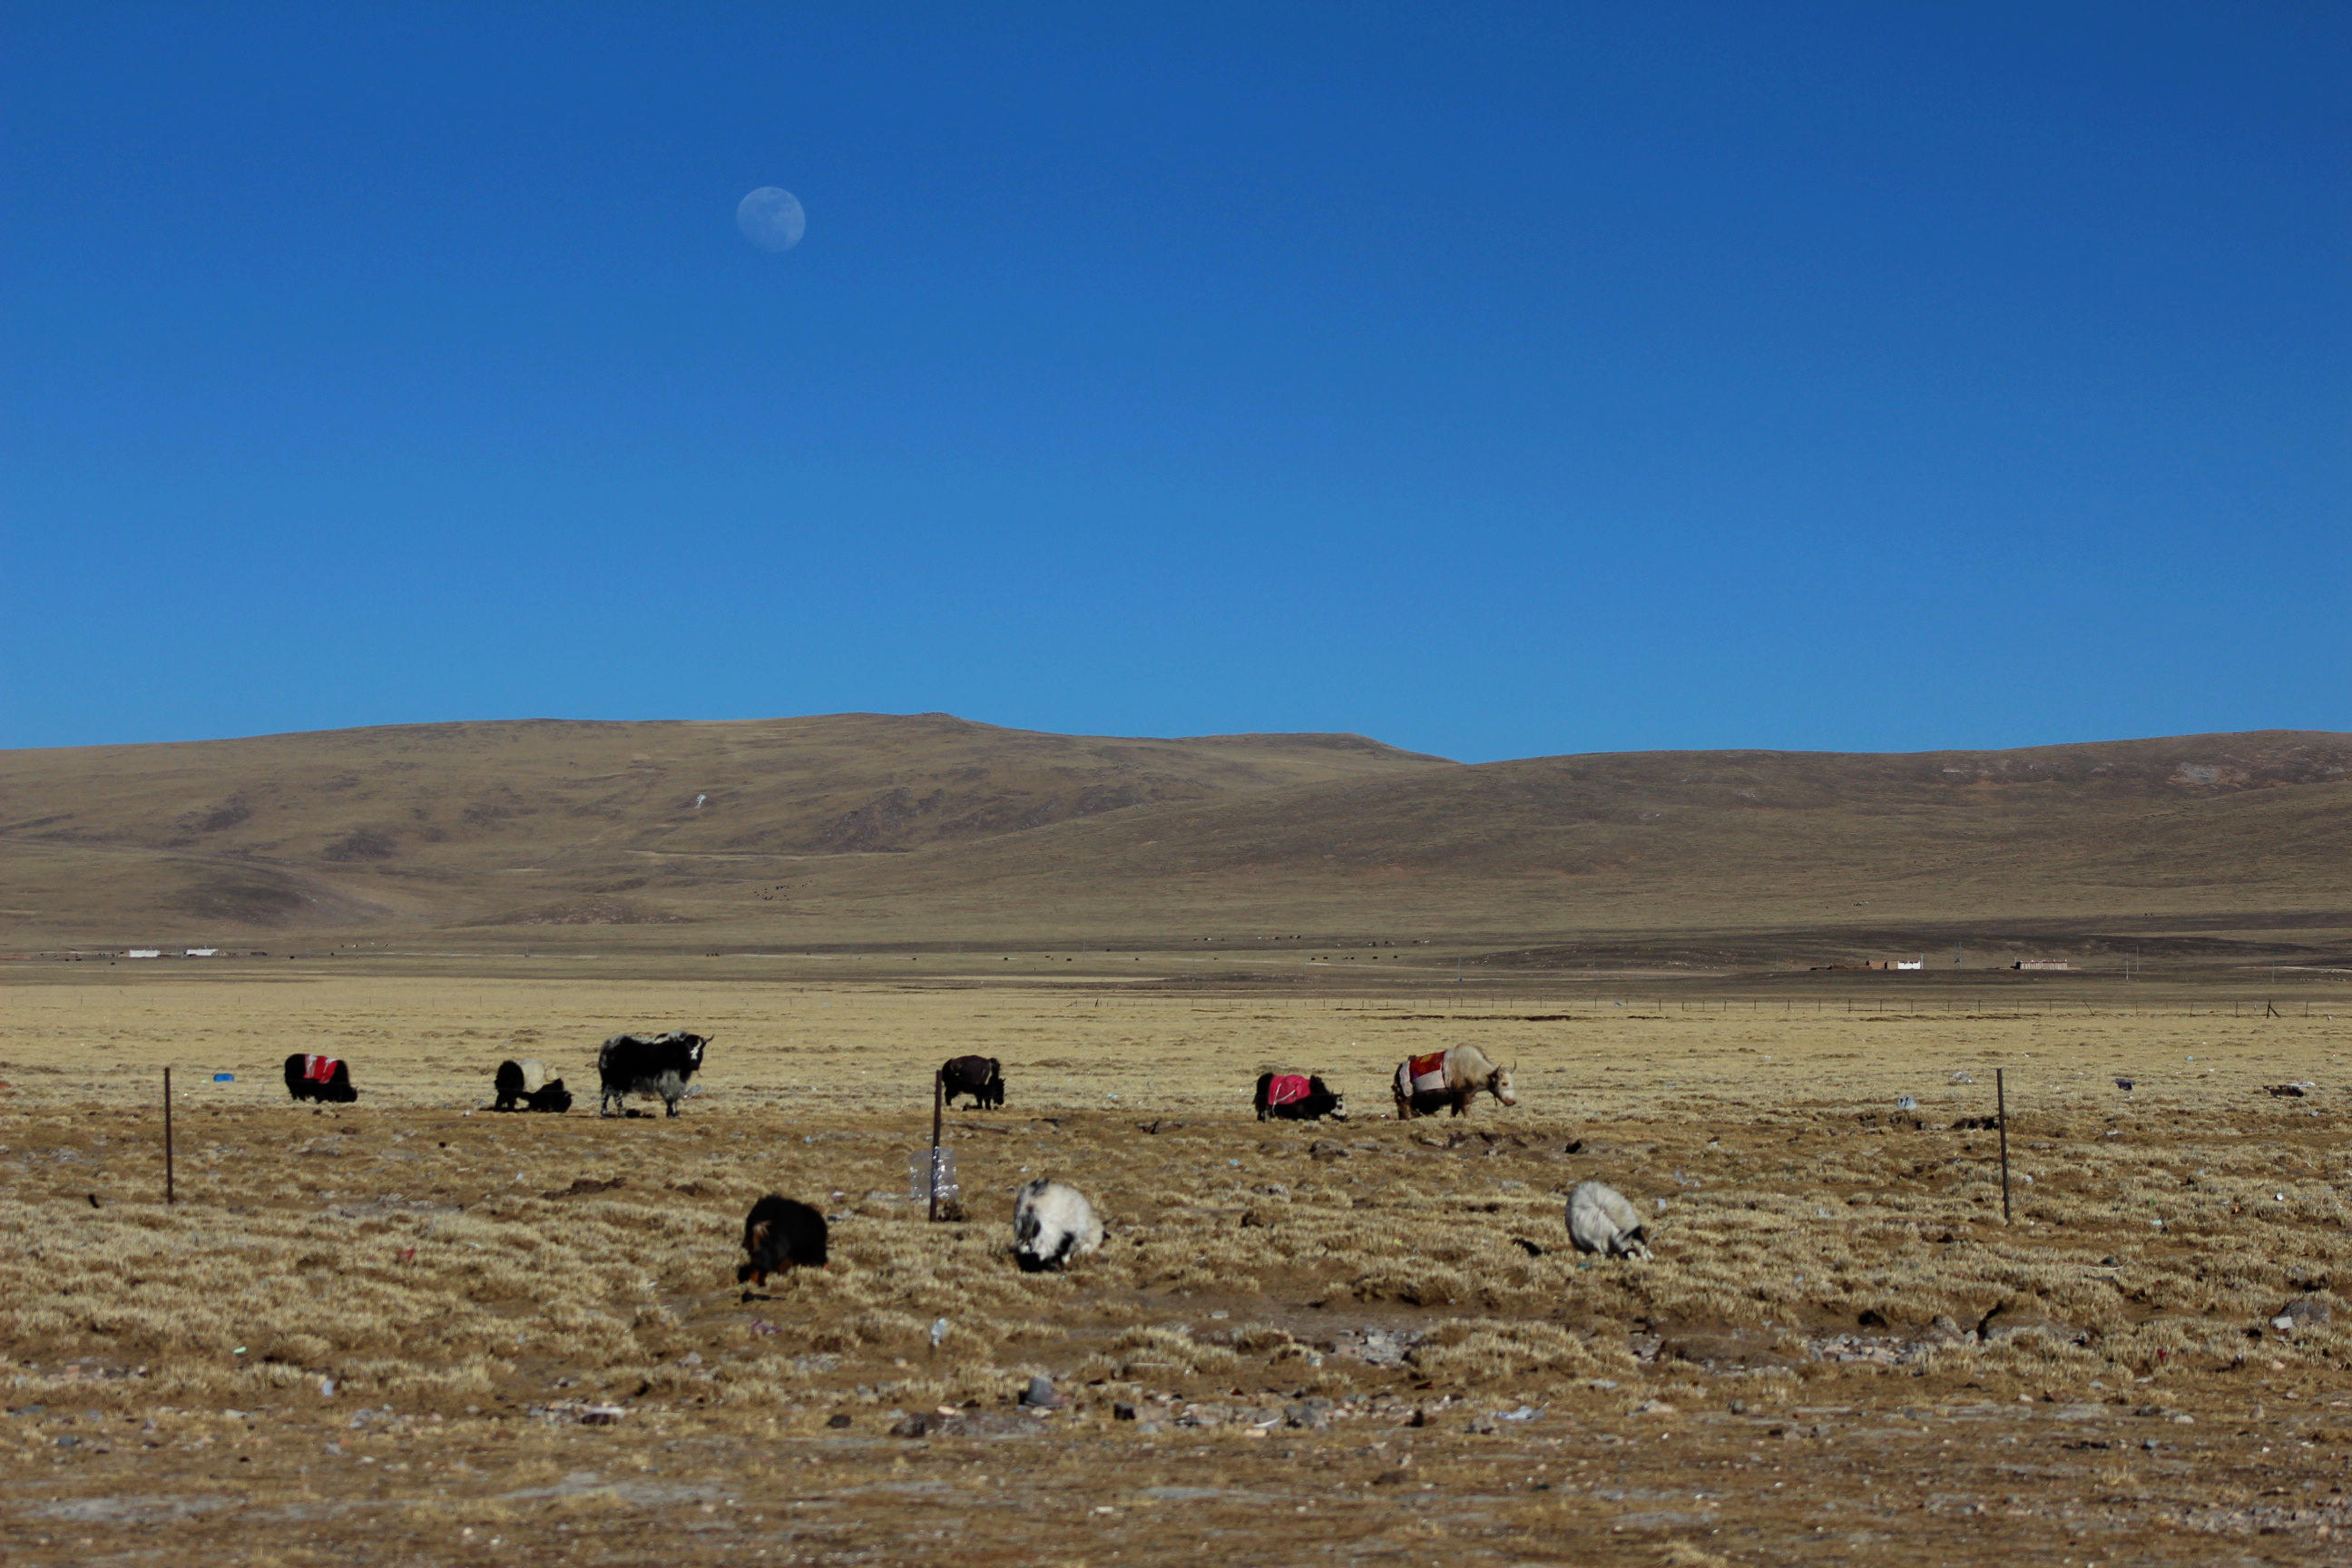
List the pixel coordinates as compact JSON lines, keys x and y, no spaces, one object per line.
{"x":837,"y":1420}
{"x":1040,"y":1394}
{"x":1120,"y":1410}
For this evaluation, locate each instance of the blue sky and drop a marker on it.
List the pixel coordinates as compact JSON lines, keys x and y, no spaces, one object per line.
{"x":1496,"y":380}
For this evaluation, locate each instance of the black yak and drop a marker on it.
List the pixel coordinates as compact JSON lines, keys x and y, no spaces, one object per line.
{"x":628,"y":1064}
{"x":525,"y":1086}
{"x":320,"y":1078}
{"x":1298,"y":1097}
{"x":779,"y":1235}
{"x":983,"y":1077}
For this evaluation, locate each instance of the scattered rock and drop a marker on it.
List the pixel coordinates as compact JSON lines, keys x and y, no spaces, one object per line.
{"x":1944,"y":1330}
{"x":582,"y":1185}
{"x":580,"y":1411}
{"x":1120,"y":1410}
{"x":837,"y":1420}
{"x":1324,"y":1149}
{"x":1040,"y":1394}
{"x":1375,"y":1347}
{"x":2305,"y":1311}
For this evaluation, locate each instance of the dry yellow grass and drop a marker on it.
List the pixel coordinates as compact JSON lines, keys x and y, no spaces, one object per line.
{"x":375,"y":1328}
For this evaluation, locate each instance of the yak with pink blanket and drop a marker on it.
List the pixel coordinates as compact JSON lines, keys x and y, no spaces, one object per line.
{"x":1298,"y":1097}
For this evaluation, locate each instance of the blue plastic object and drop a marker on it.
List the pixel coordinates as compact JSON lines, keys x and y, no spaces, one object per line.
{"x":223,"y":1078}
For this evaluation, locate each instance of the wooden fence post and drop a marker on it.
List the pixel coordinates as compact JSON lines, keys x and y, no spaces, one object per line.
{"x":2000,"y":1115}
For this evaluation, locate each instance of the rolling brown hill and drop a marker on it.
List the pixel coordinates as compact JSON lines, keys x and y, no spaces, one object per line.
{"x":555,"y":820}
{"x":869,"y":828}
{"x":1703,"y":840}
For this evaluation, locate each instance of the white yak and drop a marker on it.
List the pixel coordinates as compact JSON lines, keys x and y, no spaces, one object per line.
{"x":1052,"y":1223}
{"x":1601,"y":1220}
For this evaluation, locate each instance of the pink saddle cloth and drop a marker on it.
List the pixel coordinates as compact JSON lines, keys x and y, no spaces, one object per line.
{"x":1427,"y":1073}
{"x":320,"y":1069}
{"x":1286,"y":1089}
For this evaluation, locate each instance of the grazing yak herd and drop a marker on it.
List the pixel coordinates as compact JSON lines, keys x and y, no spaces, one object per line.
{"x":1052,"y":1221}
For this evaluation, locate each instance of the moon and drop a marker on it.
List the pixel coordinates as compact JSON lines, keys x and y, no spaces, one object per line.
{"x":772,"y":218}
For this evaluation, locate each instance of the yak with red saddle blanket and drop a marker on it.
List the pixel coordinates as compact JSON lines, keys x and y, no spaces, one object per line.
{"x":1428,"y":1084}
{"x":1298,"y":1097}
{"x":320,"y":1078}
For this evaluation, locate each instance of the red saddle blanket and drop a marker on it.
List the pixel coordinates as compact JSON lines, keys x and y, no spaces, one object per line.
{"x":1427,"y":1073}
{"x":1285,"y":1089}
{"x":320,"y":1069}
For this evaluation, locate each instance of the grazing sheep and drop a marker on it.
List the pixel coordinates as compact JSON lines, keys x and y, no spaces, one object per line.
{"x":780,"y":1235}
{"x":1051,"y":1222}
{"x":1601,"y":1220}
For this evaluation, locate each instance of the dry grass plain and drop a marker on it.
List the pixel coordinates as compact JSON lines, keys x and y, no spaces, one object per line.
{"x":371,"y":1333}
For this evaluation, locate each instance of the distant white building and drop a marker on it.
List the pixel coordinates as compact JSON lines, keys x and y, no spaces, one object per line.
{"x":144,"y":952}
{"x":204,"y":953}
{"x":2041,"y":963}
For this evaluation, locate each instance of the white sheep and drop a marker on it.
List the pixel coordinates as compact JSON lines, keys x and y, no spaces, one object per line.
{"x":1052,"y":1223}
{"x":1601,"y":1220}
